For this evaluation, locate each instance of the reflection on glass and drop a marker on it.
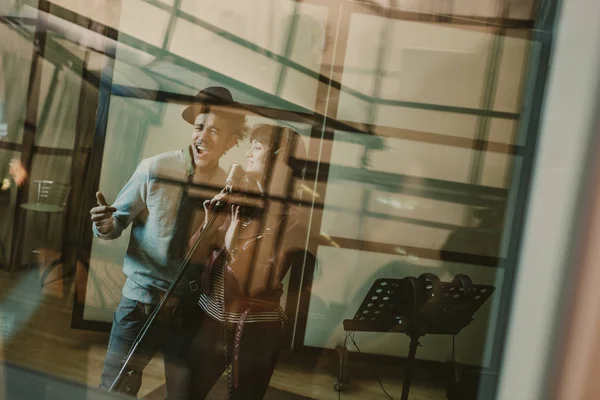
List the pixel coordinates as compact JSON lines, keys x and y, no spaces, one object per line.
{"x":373,"y":144}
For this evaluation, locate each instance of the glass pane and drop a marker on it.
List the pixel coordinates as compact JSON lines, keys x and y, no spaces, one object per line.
{"x":151,"y":29}
{"x":285,"y":68}
{"x":444,"y":101}
{"x":19,"y":8}
{"x":15,"y":61}
{"x":369,"y":169}
{"x":57,"y":119}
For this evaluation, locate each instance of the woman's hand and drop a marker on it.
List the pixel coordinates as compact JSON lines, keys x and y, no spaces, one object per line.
{"x":232,"y":231}
{"x":209,"y":209}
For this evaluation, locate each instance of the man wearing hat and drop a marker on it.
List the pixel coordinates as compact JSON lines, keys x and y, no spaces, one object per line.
{"x":158,"y":201}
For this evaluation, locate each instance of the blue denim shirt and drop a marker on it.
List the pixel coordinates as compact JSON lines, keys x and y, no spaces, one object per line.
{"x":151,"y":201}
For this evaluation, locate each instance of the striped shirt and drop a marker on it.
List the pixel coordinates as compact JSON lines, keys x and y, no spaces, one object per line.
{"x":214,"y":304}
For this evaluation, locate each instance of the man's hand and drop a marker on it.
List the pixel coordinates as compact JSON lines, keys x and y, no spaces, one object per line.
{"x":102,"y":215}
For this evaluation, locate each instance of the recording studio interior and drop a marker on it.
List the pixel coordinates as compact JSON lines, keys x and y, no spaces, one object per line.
{"x":298,"y":199}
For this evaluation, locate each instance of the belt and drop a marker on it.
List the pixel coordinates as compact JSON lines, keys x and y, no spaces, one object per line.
{"x":170,"y":310}
{"x":247,"y":305}
{"x":237,"y":340}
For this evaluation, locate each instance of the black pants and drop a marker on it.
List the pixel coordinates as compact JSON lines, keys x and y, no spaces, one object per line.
{"x":170,"y":335}
{"x":259,"y":350}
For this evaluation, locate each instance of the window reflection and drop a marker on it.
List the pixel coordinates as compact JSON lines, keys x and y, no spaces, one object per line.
{"x":397,"y":139}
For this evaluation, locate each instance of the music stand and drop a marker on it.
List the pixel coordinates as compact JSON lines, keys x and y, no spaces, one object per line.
{"x":393,"y":305}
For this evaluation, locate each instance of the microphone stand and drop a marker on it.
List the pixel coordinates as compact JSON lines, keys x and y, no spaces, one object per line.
{"x":146,"y":327}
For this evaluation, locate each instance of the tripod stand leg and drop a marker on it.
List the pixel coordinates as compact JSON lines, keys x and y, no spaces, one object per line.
{"x":152,"y":317}
{"x":414,"y":342}
{"x":342,"y":380}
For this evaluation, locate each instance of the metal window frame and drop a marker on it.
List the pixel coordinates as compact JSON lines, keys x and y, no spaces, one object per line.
{"x":558,"y":210}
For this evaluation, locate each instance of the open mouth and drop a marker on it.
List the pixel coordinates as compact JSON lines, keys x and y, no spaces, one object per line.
{"x":201,"y":150}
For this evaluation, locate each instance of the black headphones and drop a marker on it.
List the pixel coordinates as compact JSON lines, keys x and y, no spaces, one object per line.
{"x":464,"y":285}
{"x":424,"y":293}
{"x":418,"y":294}
{"x":432,"y":286}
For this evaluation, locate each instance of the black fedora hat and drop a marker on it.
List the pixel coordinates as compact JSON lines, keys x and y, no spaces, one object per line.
{"x":213,"y":95}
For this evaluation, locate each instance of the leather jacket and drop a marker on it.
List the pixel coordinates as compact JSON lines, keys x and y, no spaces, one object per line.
{"x":254,"y":271}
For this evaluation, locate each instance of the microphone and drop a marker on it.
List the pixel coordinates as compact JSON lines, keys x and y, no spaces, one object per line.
{"x":235,"y":176}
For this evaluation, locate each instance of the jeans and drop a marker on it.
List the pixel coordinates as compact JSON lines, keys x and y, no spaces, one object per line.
{"x":171,"y":335}
{"x":259,"y":350}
